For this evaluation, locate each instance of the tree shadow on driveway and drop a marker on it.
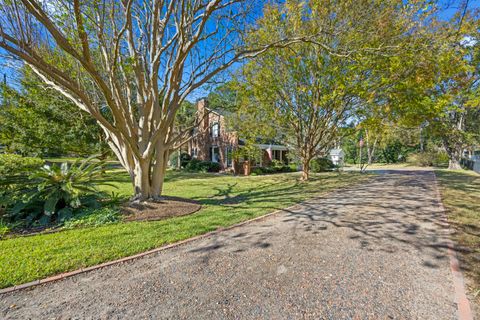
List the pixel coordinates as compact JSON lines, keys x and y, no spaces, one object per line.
{"x":391,"y":213}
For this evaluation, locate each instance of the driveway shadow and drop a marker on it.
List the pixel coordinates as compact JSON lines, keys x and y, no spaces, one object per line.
{"x":393,"y":212}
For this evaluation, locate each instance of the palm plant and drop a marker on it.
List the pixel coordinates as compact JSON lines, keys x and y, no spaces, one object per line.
{"x":54,"y":191}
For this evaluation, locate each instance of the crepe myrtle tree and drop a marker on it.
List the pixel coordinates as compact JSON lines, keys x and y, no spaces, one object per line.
{"x":309,"y":91}
{"x":139,"y":60}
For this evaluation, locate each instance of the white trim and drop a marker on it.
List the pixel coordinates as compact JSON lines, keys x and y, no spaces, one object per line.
{"x":272,"y":146}
{"x":212,"y":148}
{"x":215,"y":129}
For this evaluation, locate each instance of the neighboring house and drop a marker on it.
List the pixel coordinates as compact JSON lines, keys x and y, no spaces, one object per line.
{"x":471,"y":159}
{"x":337,"y":156}
{"x":213,"y":141}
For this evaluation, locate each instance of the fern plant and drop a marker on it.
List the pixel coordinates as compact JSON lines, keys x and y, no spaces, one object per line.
{"x":53,"y":192}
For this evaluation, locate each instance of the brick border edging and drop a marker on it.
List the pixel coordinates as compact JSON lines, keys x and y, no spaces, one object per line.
{"x":463,"y":304}
{"x":64,"y":275}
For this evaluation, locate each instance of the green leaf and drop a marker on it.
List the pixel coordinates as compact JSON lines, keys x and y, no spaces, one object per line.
{"x":44,"y":220}
{"x":64,"y":214}
{"x":50,"y":204}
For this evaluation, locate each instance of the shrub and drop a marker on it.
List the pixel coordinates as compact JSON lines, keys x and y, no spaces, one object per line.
{"x":420,"y":159}
{"x":14,"y":169}
{"x":293,"y":167}
{"x":212,"y":166}
{"x":14,"y":164}
{"x":196,"y":165}
{"x":426,"y":159}
{"x":185,"y":158}
{"x":53,"y":192}
{"x":270,"y":170}
{"x":277,"y":163}
{"x":192,"y":165}
{"x":441,"y":159}
{"x":289,"y":168}
{"x":321,"y":165}
{"x":256,"y":171}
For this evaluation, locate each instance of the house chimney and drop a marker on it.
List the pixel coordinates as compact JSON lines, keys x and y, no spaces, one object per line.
{"x":202,"y":113}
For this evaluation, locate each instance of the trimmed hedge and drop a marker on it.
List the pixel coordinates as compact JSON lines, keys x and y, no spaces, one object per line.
{"x":13,"y":163}
{"x":270,"y":170}
{"x":196,"y":165}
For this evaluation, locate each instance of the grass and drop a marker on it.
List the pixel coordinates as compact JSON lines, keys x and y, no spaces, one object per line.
{"x":461,"y":197}
{"x":226,"y":200}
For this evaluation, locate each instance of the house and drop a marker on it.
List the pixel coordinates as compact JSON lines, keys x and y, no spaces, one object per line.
{"x":214,"y":141}
{"x":337,"y":156}
{"x":472,"y":157}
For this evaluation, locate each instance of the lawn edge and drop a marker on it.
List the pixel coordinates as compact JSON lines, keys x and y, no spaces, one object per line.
{"x":463,"y":303}
{"x":69,"y":274}
{"x":136,"y":256}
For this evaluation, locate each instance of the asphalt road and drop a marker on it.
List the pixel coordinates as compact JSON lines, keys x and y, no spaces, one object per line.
{"x":374,"y":251}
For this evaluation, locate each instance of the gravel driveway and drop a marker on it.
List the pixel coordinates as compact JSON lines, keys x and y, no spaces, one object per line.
{"x":375,"y":251}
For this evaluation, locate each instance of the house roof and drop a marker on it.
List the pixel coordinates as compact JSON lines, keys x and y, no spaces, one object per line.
{"x":336,"y":152}
{"x":259,"y":141}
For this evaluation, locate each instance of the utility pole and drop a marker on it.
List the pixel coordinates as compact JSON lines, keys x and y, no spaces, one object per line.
{"x":422,"y":138}
{"x":360,"y":143}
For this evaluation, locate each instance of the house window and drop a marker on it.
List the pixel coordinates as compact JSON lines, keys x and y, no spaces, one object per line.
{"x":283,"y":157}
{"x":215,"y":154}
{"x":277,"y":155}
{"x":215,"y":130}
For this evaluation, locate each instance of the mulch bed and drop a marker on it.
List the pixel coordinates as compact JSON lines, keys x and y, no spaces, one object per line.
{"x":166,"y":208}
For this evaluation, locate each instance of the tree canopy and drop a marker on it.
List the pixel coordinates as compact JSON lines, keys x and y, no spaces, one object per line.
{"x":40,"y":121}
{"x":305,"y":69}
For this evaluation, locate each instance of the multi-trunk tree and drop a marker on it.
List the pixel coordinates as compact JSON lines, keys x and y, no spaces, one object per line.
{"x":138,"y":59}
{"x":455,"y":97}
{"x":445,"y":98}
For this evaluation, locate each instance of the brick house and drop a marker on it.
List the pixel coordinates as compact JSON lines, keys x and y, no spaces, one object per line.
{"x":213,"y":141}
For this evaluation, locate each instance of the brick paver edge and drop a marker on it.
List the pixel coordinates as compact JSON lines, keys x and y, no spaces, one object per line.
{"x":463,"y":304}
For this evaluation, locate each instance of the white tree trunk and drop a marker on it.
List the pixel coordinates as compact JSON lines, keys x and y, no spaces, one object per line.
{"x":454,"y":164}
{"x":147,"y":174}
{"x":159,"y":170}
{"x":141,"y":179}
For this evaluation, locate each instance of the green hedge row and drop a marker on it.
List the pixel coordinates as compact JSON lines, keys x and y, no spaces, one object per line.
{"x":14,"y":163}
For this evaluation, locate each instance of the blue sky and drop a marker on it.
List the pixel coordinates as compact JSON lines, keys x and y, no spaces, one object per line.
{"x":450,"y":7}
{"x":453,"y":6}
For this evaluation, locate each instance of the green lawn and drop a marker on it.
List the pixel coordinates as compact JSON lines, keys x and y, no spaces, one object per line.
{"x":461,"y":197}
{"x":226,"y":200}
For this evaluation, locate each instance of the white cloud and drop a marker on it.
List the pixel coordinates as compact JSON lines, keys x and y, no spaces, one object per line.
{"x":468,"y":41}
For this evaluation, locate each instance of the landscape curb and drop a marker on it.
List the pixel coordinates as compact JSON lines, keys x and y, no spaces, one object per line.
{"x":463,"y":304}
